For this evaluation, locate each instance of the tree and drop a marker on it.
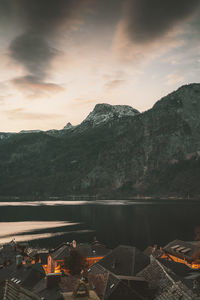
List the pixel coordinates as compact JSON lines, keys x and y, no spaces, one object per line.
{"x":75,"y":262}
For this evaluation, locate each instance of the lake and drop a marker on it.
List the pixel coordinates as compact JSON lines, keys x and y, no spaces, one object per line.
{"x":138,"y":223}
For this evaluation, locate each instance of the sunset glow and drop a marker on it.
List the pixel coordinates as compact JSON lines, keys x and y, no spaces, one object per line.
{"x":60,"y":58}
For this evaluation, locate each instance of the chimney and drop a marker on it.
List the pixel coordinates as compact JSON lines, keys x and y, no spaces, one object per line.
{"x":74,"y":244}
{"x":19,"y":259}
{"x":53,"y":280}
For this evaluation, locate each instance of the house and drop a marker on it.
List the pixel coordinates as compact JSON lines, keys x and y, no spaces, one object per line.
{"x":165,"y":284}
{"x":183,"y":252}
{"x":92,"y":253}
{"x":59,"y":286}
{"x":57,"y":256}
{"x":37,"y":255}
{"x":114,"y":276}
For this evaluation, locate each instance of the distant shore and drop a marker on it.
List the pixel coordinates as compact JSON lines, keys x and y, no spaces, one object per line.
{"x":98,"y":197}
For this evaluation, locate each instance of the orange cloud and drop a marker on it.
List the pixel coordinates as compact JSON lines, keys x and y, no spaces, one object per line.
{"x":34,"y":88}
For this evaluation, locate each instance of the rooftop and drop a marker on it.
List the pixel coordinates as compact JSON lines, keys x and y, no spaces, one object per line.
{"x":125,"y":260}
{"x":182,"y":249}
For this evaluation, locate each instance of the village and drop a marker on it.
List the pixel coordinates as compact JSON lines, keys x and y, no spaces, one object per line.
{"x":74,"y":270}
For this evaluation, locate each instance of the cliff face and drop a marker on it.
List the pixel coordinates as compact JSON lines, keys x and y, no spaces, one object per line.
{"x":115,"y":151}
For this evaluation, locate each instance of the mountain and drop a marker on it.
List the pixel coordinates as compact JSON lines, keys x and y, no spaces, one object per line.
{"x":68,"y":126}
{"x":115,"y":152}
{"x":104,"y":113}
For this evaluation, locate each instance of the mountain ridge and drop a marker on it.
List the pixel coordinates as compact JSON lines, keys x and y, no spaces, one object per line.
{"x":152,"y":153}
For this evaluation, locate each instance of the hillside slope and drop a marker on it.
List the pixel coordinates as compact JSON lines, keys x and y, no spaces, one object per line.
{"x":152,"y":153}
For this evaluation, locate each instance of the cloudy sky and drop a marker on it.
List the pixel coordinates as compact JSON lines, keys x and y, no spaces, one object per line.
{"x":58,"y":58}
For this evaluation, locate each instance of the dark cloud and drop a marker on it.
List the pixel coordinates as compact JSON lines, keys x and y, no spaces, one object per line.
{"x":6,"y":10}
{"x":47,"y":15}
{"x":41,"y":20}
{"x":33,"y":51}
{"x":147,"y":20}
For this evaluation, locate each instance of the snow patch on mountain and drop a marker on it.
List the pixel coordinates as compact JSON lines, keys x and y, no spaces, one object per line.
{"x":103,"y":113}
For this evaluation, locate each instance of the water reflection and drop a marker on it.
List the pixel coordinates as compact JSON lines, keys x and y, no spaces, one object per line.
{"x":89,"y":202}
{"x":41,"y":203}
{"x":19,"y":230}
{"x":119,"y":222}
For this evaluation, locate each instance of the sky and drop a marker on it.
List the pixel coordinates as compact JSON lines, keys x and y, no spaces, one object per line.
{"x":59,"y":58}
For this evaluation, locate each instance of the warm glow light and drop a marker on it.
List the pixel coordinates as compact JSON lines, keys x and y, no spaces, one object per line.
{"x":193,"y":265}
{"x":45,"y":268}
{"x":57,"y":269}
{"x":93,"y":260}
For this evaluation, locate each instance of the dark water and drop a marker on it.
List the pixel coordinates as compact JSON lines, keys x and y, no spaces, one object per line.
{"x":139,"y":223}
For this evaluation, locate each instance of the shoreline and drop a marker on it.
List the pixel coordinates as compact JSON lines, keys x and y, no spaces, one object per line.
{"x":99,"y":198}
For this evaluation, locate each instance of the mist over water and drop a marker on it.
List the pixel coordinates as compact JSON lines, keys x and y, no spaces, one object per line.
{"x":137,"y":223}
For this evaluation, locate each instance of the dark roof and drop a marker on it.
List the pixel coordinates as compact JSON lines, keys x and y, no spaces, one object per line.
{"x":13,"y":291}
{"x":6,"y":272}
{"x":2,"y":289}
{"x":97,"y":269}
{"x":96,"y":250}
{"x":117,"y":290}
{"x":27,"y":276}
{"x":182,"y":249}
{"x":178,"y":268}
{"x":97,"y":276}
{"x":130,"y":278}
{"x":166,"y":283}
{"x":31,"y":276}
{"x":93,"y":250}
{"x":125,"y":260}
{"x":178,"y":291}
{"x":50,"y":294}
{"x":61,"y":252}
{"x":31,"y":252}
{"x":157,"y":278}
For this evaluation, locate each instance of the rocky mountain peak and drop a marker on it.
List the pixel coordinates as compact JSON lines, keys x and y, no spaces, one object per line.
{"x":68,"y":126}
{"x":104,"y":112}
